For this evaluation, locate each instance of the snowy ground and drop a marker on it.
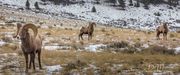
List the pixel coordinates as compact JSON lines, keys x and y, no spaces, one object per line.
{"x":136,"y":18}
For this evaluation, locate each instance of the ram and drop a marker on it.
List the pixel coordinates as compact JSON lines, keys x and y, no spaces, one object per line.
{"x":30,"y":44}
{"x":162,"y":29}
{"x":87,"y":30}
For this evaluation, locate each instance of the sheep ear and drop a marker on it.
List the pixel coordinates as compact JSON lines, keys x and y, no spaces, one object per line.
{"x":19,"y":25}
{"x":18,"y":29}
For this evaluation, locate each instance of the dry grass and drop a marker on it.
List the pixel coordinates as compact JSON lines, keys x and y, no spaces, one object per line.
{"x":59,"y":57}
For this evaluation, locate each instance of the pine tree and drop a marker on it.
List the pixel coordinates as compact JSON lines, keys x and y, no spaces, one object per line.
{"x":97,"y":1}
{"x":93,"y":9}
{"x":130,"y":3}
{"x":36,"y":5}
{"x":137,"y":3}
{"x":43,"y":0}
{"x":146,"y":4}
{"x":27,"y":5}
{"x":170,"y":2}
{"x":122,"y":3}
{"x":112,"y":1}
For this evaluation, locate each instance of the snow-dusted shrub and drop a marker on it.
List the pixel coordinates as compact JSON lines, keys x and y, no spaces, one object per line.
{"x":178,"y":21}
{"x":157,"y":14}
{"x":158,"y":50}
{"x":121,"y":44}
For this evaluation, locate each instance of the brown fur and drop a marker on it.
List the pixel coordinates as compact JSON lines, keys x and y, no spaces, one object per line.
{"x":87,"y":30}
{"x":30,"y":44}
{"x":162,"y":29}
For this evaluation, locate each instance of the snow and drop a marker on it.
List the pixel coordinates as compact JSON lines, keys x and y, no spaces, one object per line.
{"x":54,"y":68}
{"x":94,"y":48}
{"x":110,"y":15}
{"x":19,"y":2}
{"x":2,"y":43}
{"x":177,"y":50}
{"x":145,"y":46}
{"x":57,"y":47}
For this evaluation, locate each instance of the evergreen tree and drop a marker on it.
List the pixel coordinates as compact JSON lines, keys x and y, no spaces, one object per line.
{"x":137,"y":3}
{"x":146,"y":4}
{"x":112,"y":1}
{"x":122,"y":3}
{"x":36,"y":5}
{"x":93,"y":9}
{"x":27,"y":5}
{"x":43,"y":0}
{"x":130,"y":3}
{"x":170,"y":2}
{"x":97,"y":1}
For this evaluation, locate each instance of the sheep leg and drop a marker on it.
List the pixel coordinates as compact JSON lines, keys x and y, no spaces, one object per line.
{"x":30,"y":62}
{"x":158,"y":35}
{"x":33,"y":60}
{"x":165,"y":36}
{"x":39,"y":59}
{"x":26,"y":59}
{"x":89,"y":36}
{"x":80,"y":36}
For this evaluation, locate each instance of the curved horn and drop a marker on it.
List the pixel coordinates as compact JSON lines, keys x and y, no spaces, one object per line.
{"x":18,"y":28}
{"x":33,"y":27}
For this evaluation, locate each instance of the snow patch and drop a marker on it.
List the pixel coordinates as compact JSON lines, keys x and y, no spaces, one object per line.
{"x":177,"y":50}
{"x":2,"y":43}
{"x":145,"y":46}
{"x":54,"y":68}
{"x":57,"y":47}
{"x":94,"y":48}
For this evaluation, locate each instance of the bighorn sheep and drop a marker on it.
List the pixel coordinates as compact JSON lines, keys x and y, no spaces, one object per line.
{"x":162,"y":29}
{"x":87,"y":30}
{"x":30,"y":44}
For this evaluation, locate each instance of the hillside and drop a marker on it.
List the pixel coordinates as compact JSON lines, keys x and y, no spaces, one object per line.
{"x":131,"y":17}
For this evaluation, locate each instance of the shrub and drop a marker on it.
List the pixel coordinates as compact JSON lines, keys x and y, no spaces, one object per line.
{"x":172,"y":35}
{"x":159,"y":50}
{"x":121,"y":44}
{"x":157,"y":14}
{"x":75,"y":65}
{"x":103,"y":30}
{"x":178,"y":31}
